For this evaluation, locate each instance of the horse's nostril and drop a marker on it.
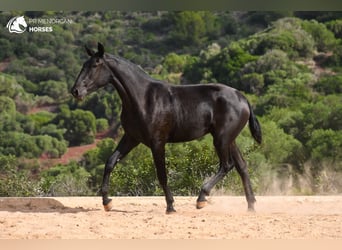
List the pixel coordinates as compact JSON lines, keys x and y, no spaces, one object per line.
{"x":74,"y":92}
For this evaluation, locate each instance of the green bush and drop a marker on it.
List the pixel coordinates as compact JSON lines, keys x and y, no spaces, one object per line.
{"x":336,"y":27}
{"x":326,"y":144}
{"x":25,"y":145}
{"x":101,"y":125}
{"x":58,"y":90}
{"x":7,"y":114}
{"x":66,"y":180}
{"x":324,"y":38}
{"x":174,"y":63}
{"x":287,"y":35}
{"x":9,"y":86}
{"x":14,"y":181}
{"x":284,"y":149}
{"x":80,"y":126}
{"x":329,"y":84}
{"x":192,"y":27}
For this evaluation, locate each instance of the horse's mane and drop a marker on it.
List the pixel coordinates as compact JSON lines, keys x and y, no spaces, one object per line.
{"x":128,"y":64}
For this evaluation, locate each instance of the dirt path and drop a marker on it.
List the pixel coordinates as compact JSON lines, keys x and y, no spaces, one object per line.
{"x":286,"y":217}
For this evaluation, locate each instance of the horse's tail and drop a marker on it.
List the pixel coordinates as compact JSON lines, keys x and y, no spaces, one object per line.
{"x":254,"y":125}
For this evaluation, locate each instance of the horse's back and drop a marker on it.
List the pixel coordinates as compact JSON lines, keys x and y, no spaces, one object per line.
{"x":198,"y":109}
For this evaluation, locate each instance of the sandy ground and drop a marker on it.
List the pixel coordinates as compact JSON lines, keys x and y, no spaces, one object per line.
{"x":225,"y":217}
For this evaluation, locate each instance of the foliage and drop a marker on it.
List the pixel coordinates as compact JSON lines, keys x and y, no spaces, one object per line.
{"x":221,"y":67}
{"x":65,"y":180}
{"x":336,"y":27}
{"x":192,"y":27}
{"x":326,"y":144}
{"x":101,"y":125}
{"x":15,"y":182}
{"x":324,"y":38}
{"x":9,"y":86}
{"x":58,"y":90}
{"x":288,"y":63}
{"x":174,"y":63}
{"x":80,"y":125}
{"x":21,"y":144}
{"x":329,"y":84}
{"x":102,"y":104}
{"x":284,"y":149}
{"x":285,"y":34}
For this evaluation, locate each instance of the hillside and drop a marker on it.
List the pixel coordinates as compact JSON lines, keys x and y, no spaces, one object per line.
{"x":287,"y":63}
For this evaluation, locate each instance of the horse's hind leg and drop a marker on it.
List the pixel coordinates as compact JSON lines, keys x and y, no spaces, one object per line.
{"x":158,"y":152}
{"x":241,"y":167}
{"x":226,"y":164}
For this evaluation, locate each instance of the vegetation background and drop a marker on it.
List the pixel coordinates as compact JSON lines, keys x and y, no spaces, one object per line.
{"x":288,"y":63}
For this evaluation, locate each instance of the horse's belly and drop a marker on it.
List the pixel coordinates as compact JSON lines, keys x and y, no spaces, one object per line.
{"x":182,"y":134}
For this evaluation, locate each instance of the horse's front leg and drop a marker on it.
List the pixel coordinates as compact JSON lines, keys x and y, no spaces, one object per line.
{"x":158,"y":152}
{"x":125,"y":145}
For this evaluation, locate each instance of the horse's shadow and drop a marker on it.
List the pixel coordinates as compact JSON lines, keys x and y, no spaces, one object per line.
{"x":38,"y":205}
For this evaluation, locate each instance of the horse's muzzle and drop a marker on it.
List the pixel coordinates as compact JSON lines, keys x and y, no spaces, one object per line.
{"x":76,"y":93}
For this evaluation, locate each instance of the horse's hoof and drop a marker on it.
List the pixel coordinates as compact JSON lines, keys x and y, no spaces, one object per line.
{"x":251,"y":210}
{"x":108,"y":207}
{"x":171,"y":211}
{"x":201,"y":204}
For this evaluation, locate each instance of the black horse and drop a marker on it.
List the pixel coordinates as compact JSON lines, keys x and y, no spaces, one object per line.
{"x":155,"y":113}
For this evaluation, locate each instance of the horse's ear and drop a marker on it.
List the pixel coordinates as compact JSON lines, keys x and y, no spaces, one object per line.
{"x":100,"y":49}
{"x":89,"y":51}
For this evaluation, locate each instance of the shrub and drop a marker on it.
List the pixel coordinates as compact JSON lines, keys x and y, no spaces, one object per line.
{"x":15,"y":182}
{"x":174,"y":63}
{"x":324,"y":38}
{"x":58,"y":90}
{"x":66,"y":180}
{"x":326,"y":144}
{"x":101,"y":125}
{"x":287,"y":35}
{"x":80,"y":126}
{"x":329,"y":84}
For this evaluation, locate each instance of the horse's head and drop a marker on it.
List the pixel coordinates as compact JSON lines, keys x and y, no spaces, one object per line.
{"x":94,"y":74}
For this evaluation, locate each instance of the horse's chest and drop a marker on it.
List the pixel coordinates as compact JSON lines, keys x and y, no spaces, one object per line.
{"x":133,"y":126}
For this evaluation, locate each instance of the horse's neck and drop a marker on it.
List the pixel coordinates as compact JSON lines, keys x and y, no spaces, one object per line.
{"x":129,"y":84}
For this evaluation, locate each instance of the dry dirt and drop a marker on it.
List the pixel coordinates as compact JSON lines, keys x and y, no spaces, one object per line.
{"x":225,"y":217}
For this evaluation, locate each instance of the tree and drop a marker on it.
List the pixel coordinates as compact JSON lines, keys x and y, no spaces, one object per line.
{"x":219,"y":66}
{"x":174,"y":63}
{"x":329,"y":84}
{"x":326,"y":144}
{"x":9,"y":86}
{"x":279,"y":147}
{"x":265,"y":18}
{"x":189,"y":27}
{"x":58,"y":90}
{"x":336,"y":27}
{"x":286,"y":34}
{"x":324,"y":38}
{"x":193,"y":27}
{"x":80,"y":126}
{"x":7,"y":105}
